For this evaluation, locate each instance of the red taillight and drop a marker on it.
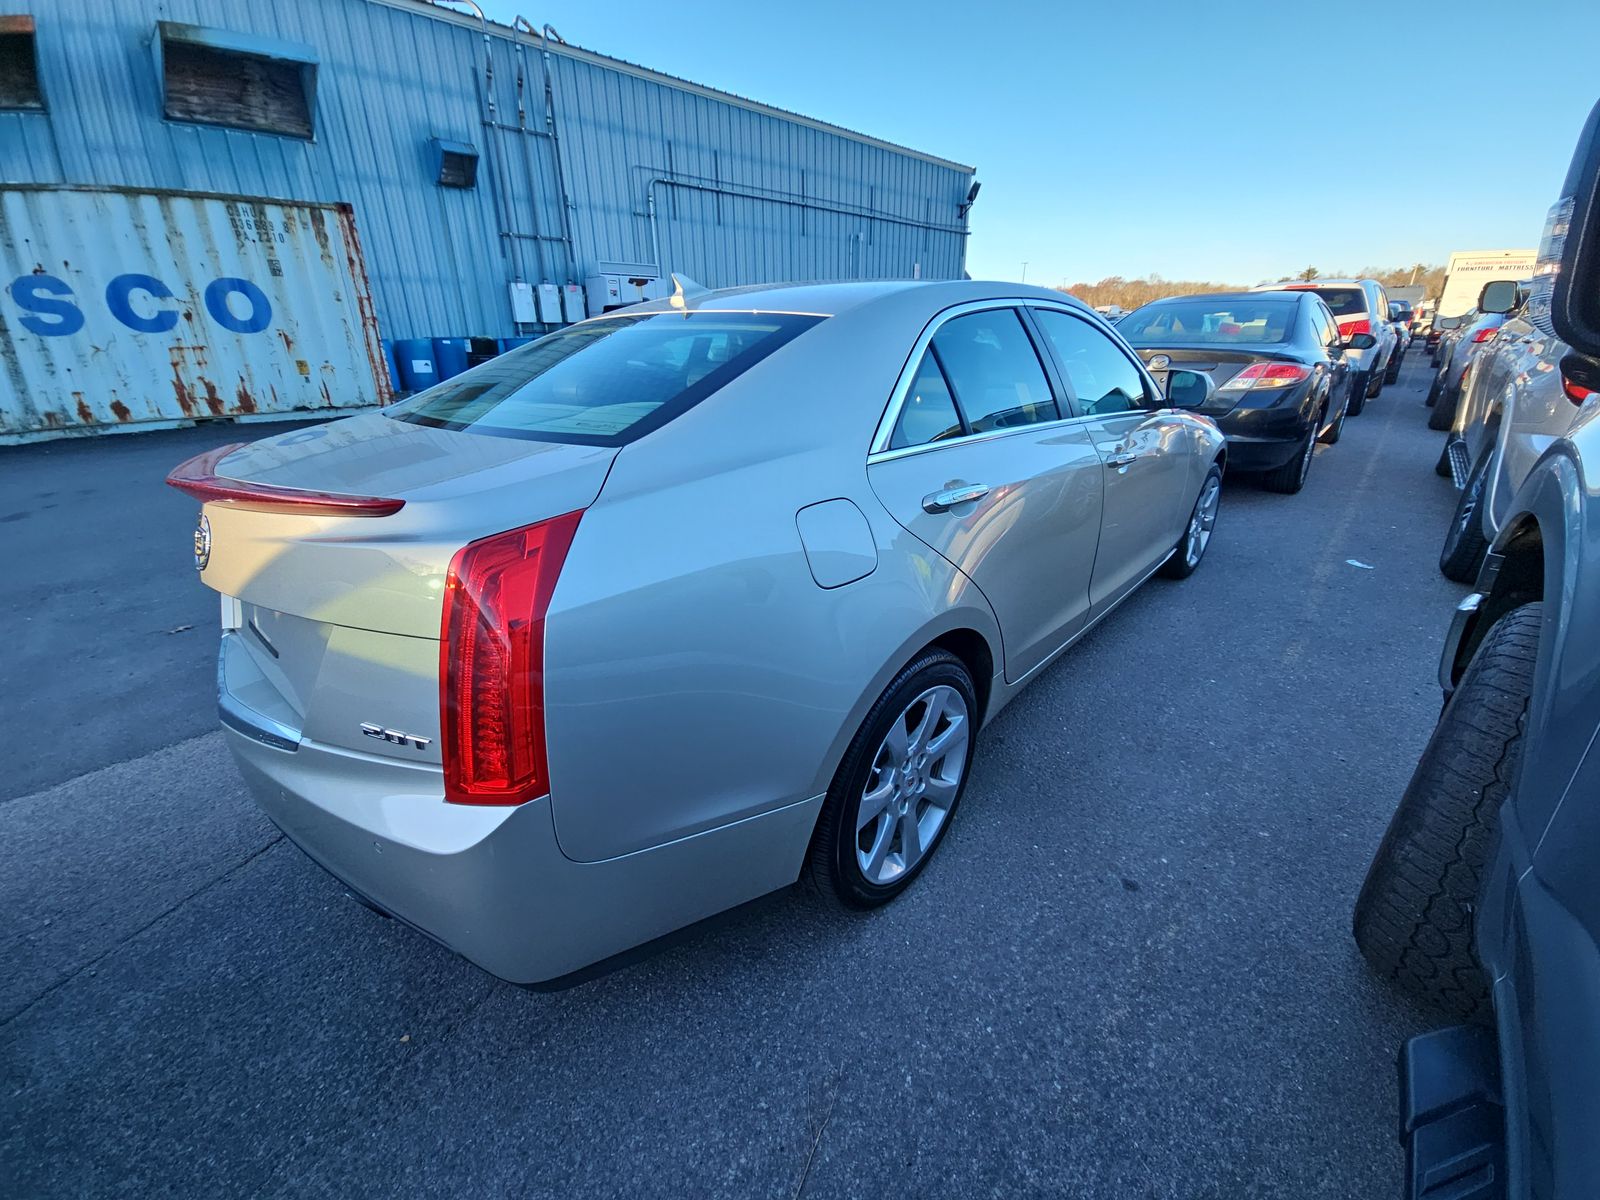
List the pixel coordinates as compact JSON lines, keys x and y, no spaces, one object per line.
{"x":491,"y":663}
{"x":1354,"y":326}
{"x":198,"y":477}
{"x":1576,"y":392}
{"x":1266,"y":375}
{"x":1483,"y":335}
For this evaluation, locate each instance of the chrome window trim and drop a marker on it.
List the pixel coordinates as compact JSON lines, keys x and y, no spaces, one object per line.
{"x":989,"y":435}
{"x":879,"y":451}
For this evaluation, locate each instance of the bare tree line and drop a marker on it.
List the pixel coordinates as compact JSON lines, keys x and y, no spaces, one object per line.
{"x":1131,"y":293}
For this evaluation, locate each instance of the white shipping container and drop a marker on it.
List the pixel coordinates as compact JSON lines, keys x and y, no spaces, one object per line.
{"x":121,"y":307}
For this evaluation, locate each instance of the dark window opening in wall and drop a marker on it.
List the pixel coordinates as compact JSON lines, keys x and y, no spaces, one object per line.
{"x":19,"y":65}
{"x":214,"y":77}
{"x":455,"y":163}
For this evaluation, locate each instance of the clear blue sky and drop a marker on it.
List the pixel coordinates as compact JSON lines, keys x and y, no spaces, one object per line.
{"x":1190,"y":139}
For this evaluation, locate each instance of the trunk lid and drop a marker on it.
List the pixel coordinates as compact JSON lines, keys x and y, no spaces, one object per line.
{"x":1222,"y":363}
{"x":335,"y":619}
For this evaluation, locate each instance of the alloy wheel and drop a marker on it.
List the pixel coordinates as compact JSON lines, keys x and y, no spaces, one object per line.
{"x":1202,"y":522}
{"x":915,"y":779}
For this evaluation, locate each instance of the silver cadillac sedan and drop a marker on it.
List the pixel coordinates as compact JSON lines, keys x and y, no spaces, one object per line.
{"x":652,"y":616}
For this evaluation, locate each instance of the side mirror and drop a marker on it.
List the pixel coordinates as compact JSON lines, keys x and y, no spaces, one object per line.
{"x":1359,"y":341}
{"x":1498,"y":296}
{"x":1572,"y":236}
{"x":1190,"y":389}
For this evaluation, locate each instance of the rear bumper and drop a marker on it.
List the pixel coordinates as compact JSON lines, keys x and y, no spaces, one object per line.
{"x":1262,"y":439}
{"x":491,"y":883}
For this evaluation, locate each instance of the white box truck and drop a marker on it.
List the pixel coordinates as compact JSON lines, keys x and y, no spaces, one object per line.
{"x":1469,"y":270}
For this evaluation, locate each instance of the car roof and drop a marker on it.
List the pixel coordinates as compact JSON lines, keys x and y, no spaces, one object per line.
{"x":831,"y":299}
{"x":1301,"y":285}
{"x":1253,"y":293}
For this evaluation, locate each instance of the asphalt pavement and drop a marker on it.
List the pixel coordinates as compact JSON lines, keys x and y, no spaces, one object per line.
{"x":1127,"y":973}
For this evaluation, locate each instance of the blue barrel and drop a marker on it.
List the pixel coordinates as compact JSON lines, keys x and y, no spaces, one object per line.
{"x":513,"y":343}
{"x":450,"y":355}
{"x":418,"y":368}
{"x":392,"y":364}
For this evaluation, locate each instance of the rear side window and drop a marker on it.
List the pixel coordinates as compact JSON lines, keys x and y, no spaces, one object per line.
{"x":605,"y":382}
{"x":994,"y":371}
{"x":1103,"y":378}
{"x":929,"y":412}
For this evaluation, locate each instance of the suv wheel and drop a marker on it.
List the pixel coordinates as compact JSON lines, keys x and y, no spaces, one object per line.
{"x":1358,"y":393}
{"x":1414,"y":917}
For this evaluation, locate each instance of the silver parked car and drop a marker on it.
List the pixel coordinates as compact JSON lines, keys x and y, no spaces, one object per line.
{"x":634,"y":623}
{"x":1458,"y":353}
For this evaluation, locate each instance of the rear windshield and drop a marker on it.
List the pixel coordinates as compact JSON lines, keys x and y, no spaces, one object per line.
{"x":1345,"y":302}
{"x":1218,"y":321}
{"x":604,"y":382}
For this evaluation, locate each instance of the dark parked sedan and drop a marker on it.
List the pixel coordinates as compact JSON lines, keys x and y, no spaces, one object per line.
{"x":1278,"y":363}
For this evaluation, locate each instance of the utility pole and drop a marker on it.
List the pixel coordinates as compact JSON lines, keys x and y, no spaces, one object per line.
{"x":1024,"y":272}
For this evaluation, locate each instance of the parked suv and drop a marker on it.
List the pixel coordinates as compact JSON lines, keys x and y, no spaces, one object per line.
{"x":1482,"y":896}
{"x":1359,"y":306}
{"x":1515,"y":404}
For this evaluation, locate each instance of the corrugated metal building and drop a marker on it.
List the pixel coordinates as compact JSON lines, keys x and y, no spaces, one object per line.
{"x":424,"y":172}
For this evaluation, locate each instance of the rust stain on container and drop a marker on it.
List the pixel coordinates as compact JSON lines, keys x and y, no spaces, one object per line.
{"x":357,"y":268}
{"x":263,"y":288}
{"x":185,"y":400}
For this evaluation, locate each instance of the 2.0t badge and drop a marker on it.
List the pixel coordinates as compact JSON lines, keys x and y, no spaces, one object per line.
{"x":202,"y":543}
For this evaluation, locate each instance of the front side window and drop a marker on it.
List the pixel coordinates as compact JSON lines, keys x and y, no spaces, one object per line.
{"x":219,"y":77}
{"x":994,"y":371}
{"x":605,"y":382}
{"x":1103,"y":378}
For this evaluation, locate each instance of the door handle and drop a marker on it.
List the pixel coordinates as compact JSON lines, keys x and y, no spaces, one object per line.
{"x":944,"y":501}
{"x":1122,"y":460}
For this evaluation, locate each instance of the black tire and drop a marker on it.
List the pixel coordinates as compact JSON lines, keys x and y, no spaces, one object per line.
{"x":1375,"y":382}
{"x":1291,"y":477}
{"x":1392,"y":372}
{"x":1432,"y":397}
{"x":831,"y":861}
{"x":1464,"y":543}
{"x":1414,"y":917}
{"x":1179,"y":564}
{"x":1442,"y":467}
{"x":1443,"y":414}
{"x":1336,"y":431}
{"x":1358,"y":395}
